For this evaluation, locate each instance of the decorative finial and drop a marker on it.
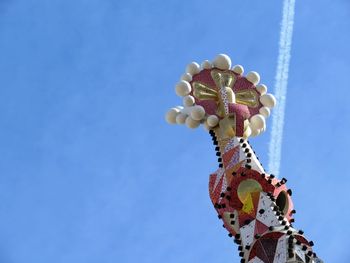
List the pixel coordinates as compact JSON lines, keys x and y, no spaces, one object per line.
{"x":219,"y":96}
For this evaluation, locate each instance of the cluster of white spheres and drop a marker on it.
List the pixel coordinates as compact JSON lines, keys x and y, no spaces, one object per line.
{"x":193,"y":115}
{"x":257,"y":123}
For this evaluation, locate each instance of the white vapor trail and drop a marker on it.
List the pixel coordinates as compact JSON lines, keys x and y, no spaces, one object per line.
{"x":281,"y":81}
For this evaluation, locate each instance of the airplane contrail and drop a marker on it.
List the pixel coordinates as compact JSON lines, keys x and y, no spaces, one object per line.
{"x":281,"y":81}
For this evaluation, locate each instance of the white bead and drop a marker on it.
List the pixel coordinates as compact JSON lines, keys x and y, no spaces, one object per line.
{"x":257,"y":121}
{"x":222,"y":61}
{"x":268,"y":100}
{"x":253,"y":77}
{"x":265,"y":111}
{"x":183,"y":88}
{"x":193,"y":68}
{"x":238,"y":69}
{"x":197,"y":113}
{"x":191,"y":123}
{"x":171,"y":115}
{"x":206,"y":126}
{"x":181,"y":118}
{"x":247,"y":132}
{"x":206,"y":64}
{"x":261,"y":88}
{"x":186,"y":77}
{"x":188,"y":101}
{"x":212,"y":120}
{"x":255,"y":132}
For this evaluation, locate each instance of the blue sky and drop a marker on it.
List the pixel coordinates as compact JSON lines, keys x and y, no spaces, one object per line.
{"x":89,"y":170}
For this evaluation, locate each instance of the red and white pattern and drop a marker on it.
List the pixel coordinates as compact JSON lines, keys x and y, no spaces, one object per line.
{"x":256,"y":207}
{"x":261,"y":223}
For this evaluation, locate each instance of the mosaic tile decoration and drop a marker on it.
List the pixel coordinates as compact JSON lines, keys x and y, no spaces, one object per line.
{"x":255,"y":207}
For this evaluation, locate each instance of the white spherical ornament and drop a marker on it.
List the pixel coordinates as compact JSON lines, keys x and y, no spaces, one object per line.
{"x":191,"y":123}
{"x":222,"y":61}
{"x":186,"y":77}
{"x":206,"y":64}
{"x":238,"y":69}
{"x":197,"y":112}
{"x":212,"y":120}
{"x":268,"y":100}
{"x":181,"y":118}
{"x":188,"y":101}
{"x":171,"y":115}
{"x":206,"y":126}
{"x":264,"y":111}
{"x":193,"y":68}
{"x":183,"y":88}
{"x":257,"y":121}
{"x":261,"y":88}
{"x":247,"y":132}
{"x":253,"y":77}
{"x":255,"y":132}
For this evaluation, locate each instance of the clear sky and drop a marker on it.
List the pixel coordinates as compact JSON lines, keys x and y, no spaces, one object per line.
{"x":89,"y":170}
